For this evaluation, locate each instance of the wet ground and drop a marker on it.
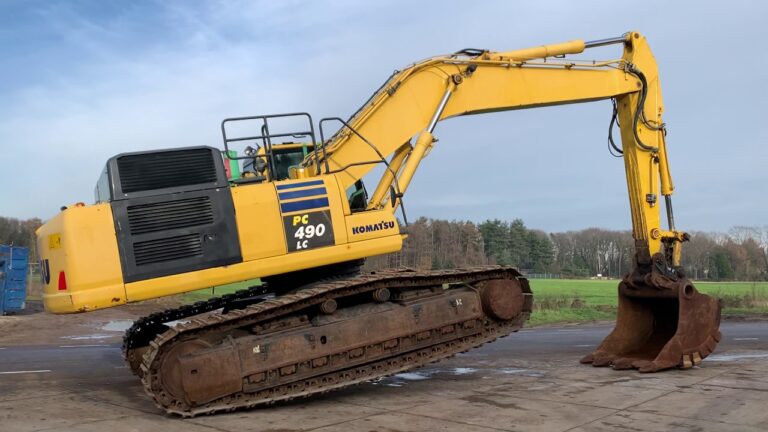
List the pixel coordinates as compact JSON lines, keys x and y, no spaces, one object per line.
{"x":32,"y":326}
{"x":529,"y":381}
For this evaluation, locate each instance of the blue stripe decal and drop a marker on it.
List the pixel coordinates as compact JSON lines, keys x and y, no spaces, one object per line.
{"x":304,"y":205}
{"x":298,"y":185}
{"x":302,"y":193}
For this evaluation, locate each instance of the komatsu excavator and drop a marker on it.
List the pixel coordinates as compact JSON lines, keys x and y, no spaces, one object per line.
{"x":297,"y":216}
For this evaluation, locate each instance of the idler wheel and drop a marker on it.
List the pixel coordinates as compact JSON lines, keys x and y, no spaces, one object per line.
{"x":328,"y":307}
{"x":502,"y":299}
{"x":381,"y":295}
{"x":170,"y":369}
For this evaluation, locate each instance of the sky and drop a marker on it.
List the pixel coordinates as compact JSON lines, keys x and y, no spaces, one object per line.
{"x":81,"y":81}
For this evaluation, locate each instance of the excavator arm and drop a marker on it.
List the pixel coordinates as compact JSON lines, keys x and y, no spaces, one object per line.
{"x":410,"y":104}
{"x":680,"y":327}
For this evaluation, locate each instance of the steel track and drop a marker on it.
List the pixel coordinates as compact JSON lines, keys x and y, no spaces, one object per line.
{"x":435,"y":347}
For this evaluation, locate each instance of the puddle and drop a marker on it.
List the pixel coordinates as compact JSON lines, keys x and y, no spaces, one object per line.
{"x":88,"y":337}
{"x":412,"y":376}
{"x":523,"y":372}
{"x":123,"y":325}
{"x":738,"y":356}
{"x":117,"y":326}
{"x":402,"y":378}
{"x":175,"y":323}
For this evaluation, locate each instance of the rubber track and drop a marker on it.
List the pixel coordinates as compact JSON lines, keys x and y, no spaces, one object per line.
{"x":282,"y":306}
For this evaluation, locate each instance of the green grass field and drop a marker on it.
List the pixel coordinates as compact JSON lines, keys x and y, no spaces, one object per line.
{"x":569,"y":300}
{"x":578,"y":300}
{"x":560,"y":300}
{"x":217,"y":291}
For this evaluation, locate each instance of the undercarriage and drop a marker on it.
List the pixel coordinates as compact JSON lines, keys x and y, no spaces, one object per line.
{"x":257,"y":349}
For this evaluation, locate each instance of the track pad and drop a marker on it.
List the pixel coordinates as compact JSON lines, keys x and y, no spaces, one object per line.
{"x":211,"y":374}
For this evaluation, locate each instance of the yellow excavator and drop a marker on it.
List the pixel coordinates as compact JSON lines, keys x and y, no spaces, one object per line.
{"x":297,"y":216}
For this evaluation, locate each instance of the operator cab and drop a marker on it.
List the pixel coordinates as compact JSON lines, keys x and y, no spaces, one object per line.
{"x":262,"y":148}
{"x":255,"y":168}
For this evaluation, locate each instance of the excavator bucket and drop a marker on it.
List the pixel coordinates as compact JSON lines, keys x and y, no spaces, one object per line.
{"x":662,"y":323}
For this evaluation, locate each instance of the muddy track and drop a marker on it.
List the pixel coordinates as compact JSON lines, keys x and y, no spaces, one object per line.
{"x":309,"y":375}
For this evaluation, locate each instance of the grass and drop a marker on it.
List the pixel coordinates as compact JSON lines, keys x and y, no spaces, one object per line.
{"x":569,"y":300}
{"x":217,"y":291}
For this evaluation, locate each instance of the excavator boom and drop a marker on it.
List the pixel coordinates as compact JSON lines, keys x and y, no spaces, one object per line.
{"x":663,"y":321}
{"x":298,"y":216}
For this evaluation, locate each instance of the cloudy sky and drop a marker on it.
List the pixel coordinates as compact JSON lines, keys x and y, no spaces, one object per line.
{"x":81,"y":81}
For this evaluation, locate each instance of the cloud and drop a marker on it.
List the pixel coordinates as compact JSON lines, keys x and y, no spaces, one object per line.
{"x":99,"y":78}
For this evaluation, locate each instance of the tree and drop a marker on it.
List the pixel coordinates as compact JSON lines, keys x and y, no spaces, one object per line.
{"x":742,"y":254}
{"x":436,"y":244}
{"x":542,"y":254}
{"x":496,"y":241}
{"x":720,"y":265}
{"x":519,"y":244}
{"x":20,"y":233}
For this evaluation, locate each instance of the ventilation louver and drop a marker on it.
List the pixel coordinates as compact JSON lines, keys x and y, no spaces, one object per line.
{"x":167,"y":169}
{"x":170,"y":215}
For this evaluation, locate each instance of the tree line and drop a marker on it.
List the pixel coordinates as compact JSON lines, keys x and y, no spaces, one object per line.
{"x":739,"y":254}
{"x":17,"y":232}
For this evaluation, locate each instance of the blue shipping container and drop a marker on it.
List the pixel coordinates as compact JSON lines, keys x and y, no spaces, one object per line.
{"x":13,"y":278}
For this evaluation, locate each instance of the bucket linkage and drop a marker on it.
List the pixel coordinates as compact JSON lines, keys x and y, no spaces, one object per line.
{"x":663,"y":322}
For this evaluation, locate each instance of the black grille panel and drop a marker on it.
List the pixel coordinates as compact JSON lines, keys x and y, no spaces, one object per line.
{"x":176,"y":230}
{"x":162,"y":216}
{"x":167,"y":169}
{"x":167,"y":249}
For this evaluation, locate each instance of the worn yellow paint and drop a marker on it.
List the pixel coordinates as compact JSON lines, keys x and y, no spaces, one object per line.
{"x":54,"y":241}
{"x":87,"y":255}
{"x":259,"y":225}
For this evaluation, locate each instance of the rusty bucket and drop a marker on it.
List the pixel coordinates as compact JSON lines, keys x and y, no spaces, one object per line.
{"x":662,"y":323}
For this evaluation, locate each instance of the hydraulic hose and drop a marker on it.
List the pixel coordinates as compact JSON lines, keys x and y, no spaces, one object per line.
{"x":639,"y":111}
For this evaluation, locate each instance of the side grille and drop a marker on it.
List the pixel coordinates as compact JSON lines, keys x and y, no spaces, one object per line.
{"x":160,"y":170}
{"x":169,"y":215}
{"x":167,"y":249}
{"x":161,"y":233}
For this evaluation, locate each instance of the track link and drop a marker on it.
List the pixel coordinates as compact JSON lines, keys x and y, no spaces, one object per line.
{"x":305,"y":377}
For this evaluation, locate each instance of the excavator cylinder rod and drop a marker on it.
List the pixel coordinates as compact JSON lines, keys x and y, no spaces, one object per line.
{"x":609,"y":41}
{"x":283,"y":348}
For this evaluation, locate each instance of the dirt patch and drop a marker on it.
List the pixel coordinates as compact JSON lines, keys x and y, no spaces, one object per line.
{"x":34,"y":326}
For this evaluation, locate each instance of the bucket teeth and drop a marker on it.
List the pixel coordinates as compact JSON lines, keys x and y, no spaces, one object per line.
{"x":696,"y":357}
{"x":662,"y":323}
{"x":623,"y":363}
